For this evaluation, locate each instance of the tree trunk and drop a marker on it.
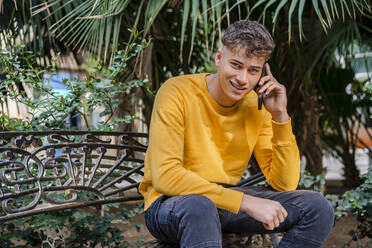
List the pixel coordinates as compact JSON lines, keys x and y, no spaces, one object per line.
{"x":312,"y":149}
{"x":351,"y":172}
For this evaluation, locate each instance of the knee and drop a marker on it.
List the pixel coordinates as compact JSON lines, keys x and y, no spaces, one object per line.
{"x":198,"y":207}
{"x":320,"y":204}
{"x":320,"y":209}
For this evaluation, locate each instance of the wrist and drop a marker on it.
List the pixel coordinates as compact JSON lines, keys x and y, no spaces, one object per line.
{"x":246,"y":203}
{"x":280,"y":117}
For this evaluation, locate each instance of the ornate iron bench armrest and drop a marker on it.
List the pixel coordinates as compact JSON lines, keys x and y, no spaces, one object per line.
{"x":54,"y":170}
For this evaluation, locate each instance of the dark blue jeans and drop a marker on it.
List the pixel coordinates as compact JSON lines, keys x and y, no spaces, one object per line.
{"x":194,"y":221}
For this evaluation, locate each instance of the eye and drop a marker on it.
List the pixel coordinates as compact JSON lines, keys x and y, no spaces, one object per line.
{"x":252,"y":70}
{"x":235,"y":65}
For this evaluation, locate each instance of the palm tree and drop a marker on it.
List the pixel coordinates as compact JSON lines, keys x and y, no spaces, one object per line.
{"x":299,"y":64}
{"x":307,"y":33}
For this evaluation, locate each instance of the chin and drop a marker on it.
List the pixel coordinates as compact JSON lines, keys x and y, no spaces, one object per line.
{"x":238,"y":96}
{"x":235,"y":98}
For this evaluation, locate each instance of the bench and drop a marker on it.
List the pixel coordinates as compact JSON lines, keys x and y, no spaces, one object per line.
{"x":44,"y":171}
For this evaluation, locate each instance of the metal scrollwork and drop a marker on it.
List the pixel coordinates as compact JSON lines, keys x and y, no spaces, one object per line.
{"x":14,"y":175}
{"x":37,"y":142}
{"x":8,"y":155}
{"x":125,"y":139}
{"x":92,"y":138}
{"x":8,"y":203}
{"x":66,"y":172}
{"x":55,"y":138}
{"x":3,"y":142}
{"x":19,"y":141}
{"x":66,"y":192}
{"x":26,"y":140}
{"x":129,"y":140}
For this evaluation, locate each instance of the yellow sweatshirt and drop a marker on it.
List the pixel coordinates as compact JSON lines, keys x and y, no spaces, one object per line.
{"x":197,"y":145}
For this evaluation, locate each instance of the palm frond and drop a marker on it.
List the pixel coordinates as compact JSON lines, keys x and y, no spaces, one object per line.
{"x":152,"y":11}
{"x":95,"y":25}
{"x":185,"y":16}
{"x":194,"y":17}
{"x":327,"y":11}
{"x":290,"y":12}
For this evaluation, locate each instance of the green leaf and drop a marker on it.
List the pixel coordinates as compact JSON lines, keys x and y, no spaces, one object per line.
{"x":153,"y":9}
{"x":255,"y":6}
{"x":205,"y":21}
{"x":271,"y":2}
{"x":280,"y":6}
{"x":319,"y":14}
{"x":185,"y":16}
{"x":326,"y":10}
{"x":300,"y":11}
{"x":290,"y":12}
{"x":194,"y":18}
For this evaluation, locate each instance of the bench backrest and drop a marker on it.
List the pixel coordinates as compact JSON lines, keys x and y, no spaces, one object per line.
{"x":55,"y":170}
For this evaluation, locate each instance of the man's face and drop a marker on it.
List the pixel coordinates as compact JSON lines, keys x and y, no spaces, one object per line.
{"x":237,"y":74}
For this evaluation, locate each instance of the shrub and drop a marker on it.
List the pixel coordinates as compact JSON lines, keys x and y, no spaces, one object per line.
{"x":69,"y":228}
{"x":357,"y":202}
{"x":99,"y":89}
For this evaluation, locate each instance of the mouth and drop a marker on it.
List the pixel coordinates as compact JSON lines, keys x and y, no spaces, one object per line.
{"x":237,"y":86}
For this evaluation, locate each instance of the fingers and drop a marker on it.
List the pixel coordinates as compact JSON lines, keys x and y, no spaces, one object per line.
{"x":281,"y":215}
{"x":268,"y":87}
{"x":274,"y":223}
{"x":278,"y":217}
{"x":285,"y":213}
{"x":268,"y":71}
{"x":277,"y":222}
{"x":271,"y":225}
{"x":266,"y":79}
{"x":268,"y":226}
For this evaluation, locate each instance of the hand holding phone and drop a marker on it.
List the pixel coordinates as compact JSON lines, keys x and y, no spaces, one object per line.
{"x":256,"y":88}
{"x":275,"y":96}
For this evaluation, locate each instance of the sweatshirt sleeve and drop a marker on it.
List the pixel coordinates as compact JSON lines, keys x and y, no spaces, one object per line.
{"x":165,"y":154}
{"x":277,"y":154}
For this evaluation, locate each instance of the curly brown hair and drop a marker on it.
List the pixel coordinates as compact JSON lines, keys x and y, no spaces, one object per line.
{"x":251,"y":36}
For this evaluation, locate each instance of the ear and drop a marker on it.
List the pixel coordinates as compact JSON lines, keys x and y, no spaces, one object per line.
{"x":218,"y":58}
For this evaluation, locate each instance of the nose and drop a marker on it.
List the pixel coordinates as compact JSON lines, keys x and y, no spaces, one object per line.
{"x":242,"y":77}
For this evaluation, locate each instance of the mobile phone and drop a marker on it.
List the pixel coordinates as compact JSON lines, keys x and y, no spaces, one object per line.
{"x":260,"y":96}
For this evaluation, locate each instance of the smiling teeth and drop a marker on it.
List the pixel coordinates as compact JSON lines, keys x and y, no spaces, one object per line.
{"x":237,"y":87}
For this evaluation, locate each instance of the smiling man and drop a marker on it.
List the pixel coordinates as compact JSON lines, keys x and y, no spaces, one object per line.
{"x":204,"y":129}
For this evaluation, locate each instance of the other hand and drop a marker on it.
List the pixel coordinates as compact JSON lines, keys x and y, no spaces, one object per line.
{"x":274,"y":96}
{"x":270,"y":213}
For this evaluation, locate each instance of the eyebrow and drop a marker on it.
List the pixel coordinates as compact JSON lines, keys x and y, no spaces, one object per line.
{"x":239,"y":62}
{"x":256,"y":67}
